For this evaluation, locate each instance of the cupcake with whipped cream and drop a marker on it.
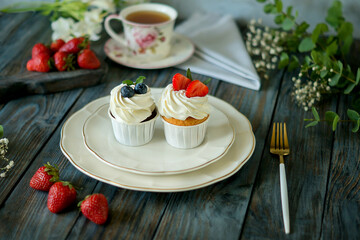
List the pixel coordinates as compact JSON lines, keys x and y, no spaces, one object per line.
{"x":132,"y":112}
{"x":185,"y":111}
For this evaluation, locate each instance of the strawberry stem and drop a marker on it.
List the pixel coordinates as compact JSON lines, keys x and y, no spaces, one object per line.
{"x":207,"y":81}
{"x":188,"y":74}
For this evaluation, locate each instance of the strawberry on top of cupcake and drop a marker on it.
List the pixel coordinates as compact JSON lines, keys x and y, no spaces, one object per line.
{"x":185,"y":102}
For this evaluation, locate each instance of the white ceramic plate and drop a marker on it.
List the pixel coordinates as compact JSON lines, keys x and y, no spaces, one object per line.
{"x":181,"y":50}
{"x":71,"y":144}
{"x":157,"y":157}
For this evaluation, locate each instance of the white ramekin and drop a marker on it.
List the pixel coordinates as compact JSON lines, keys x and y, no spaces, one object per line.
{"x":133,"y":135}
{"x":185,"y":136}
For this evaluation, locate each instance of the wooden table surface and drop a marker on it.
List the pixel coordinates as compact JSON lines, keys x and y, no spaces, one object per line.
{"x":322,"y":168}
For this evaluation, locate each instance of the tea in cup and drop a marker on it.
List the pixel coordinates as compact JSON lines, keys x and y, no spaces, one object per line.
{"x":148,"y":29}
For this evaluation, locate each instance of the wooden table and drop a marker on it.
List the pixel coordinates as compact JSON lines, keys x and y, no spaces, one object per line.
{"x":322,"y":169}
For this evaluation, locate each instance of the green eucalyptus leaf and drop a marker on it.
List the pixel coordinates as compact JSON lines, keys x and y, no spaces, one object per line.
{"x":323,"y":73}
{"x":334,"y":17}
{"x":319,"y":29}
{"x":335,"y":79}
{"x":335,"y":122}
{"x":268,"y":8}
{"x":330,"y":116}
{"x":315,"y":113}
{"x":353,"y":115}
{"x":284,"y":60}
{"x":289,"y":10}
{"x":332,"y":48}
{"x":357,"y":77}
{"x":128,"y":82}
{"x":308,"y":59}
{"x":306,"y":45}
{"x":340,"y":65}
{"x":302,"y":28}
{"x":261,"y":1}
{"x":287,"y":24}
{"x":345,"y":35}
{"x":317,"y":57}
{"x":349,"y":88}
{"x":294,"y":63}
{"x":279,"y":19}
{"x":279,"y":5}
{"x":312,"y":124}
{"x":356,"y":127}
{"x":1,"y":131}
{"x":140,"y":79}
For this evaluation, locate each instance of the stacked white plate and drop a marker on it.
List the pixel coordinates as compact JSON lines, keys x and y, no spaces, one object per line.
{"x":88,"y":142}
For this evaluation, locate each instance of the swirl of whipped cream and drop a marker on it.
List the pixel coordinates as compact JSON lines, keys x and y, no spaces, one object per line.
{"x":131,"y":110}
{"x":175,"y":104}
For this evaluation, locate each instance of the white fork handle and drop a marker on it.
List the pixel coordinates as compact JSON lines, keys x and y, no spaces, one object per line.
{"x":284,"y":198}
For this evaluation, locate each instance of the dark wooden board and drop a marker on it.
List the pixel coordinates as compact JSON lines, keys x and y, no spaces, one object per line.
{"x":15,"y":50}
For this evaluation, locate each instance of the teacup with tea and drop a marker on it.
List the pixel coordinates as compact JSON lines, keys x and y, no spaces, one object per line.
{"x":148,"y":29}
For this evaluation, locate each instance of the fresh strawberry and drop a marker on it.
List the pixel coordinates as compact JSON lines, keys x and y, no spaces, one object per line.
{"x":196,"y":89}
{"x":95,"y":208}
{"x":61,"y":195}
{"x":39,"y":48}
{"x":45,"y":177}
{"x":180,"y":82}
{"x":56,"y":45}
{"x":39,"y":63}
{"x":75,"y":45}
{"x":64,"y":61}
{"x":88,"y":60}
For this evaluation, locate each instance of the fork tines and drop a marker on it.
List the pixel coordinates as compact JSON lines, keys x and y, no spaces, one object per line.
{"x":279,"y":139}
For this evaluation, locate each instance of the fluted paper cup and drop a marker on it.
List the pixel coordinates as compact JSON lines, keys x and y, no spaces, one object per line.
{"x":185,"y":136}
{"x":133,"y":135}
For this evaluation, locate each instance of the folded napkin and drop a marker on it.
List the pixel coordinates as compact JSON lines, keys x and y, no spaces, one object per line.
{"x":219,"y":50}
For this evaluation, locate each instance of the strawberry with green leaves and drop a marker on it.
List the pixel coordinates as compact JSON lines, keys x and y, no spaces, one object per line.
{"x":56,"y":45}
{"x":95,"y":208}
{"x":180,"y":82}
{"x":39,"y":63}
{"x":40,"y":48}
{"x":75,"y":45}
{"x":61,"y":195}
{"x":197,"y":89}
{"x":45,"y":177}
{"x":88,"y":60}
{"x":193,"y":88}
{"x":64,"y":61}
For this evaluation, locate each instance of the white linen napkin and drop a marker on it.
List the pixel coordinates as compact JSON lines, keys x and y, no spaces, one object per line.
{"x":219,"y":50}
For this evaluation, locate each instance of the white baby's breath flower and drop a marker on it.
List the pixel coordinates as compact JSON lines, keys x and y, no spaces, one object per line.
{"x":3,"y":175}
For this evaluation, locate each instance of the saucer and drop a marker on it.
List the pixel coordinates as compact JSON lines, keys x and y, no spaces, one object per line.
{"x":72,"y":146}
{"x":157,"y":157}
{"x":182,"y":49}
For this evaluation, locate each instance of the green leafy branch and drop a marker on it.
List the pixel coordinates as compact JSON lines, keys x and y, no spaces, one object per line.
{"x":324,"y":61}
{"x":1,"y":131}
{"x":333,"y":119}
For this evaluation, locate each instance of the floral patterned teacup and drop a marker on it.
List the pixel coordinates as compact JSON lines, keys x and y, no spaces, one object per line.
{"x":149,"y":41}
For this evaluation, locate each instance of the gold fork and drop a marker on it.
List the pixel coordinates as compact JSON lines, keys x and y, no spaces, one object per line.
{"x":279,"y":145}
